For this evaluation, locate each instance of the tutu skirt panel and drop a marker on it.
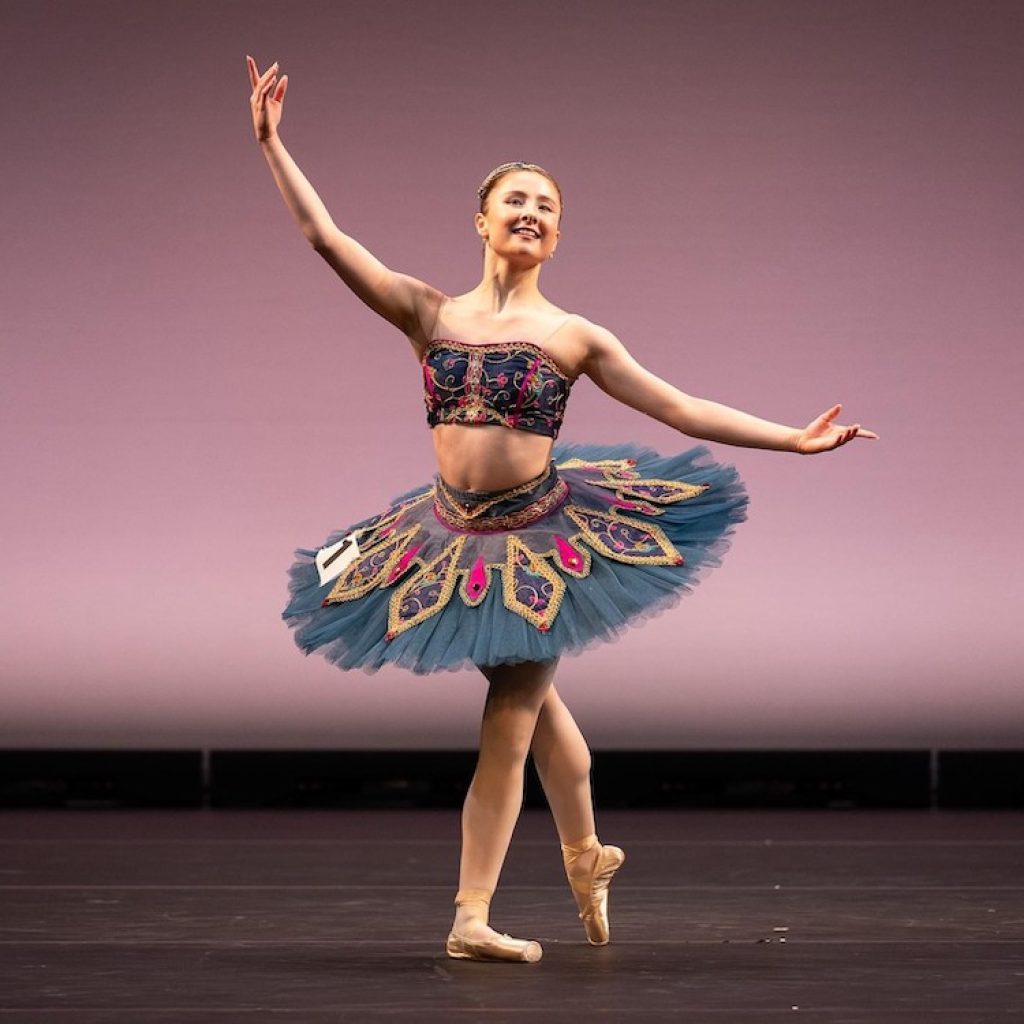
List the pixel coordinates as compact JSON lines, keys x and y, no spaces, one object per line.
{"x":444,"y":579}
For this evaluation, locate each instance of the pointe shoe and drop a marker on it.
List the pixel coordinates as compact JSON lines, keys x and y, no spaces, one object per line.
{"x":593,"y":886}
{"x":502,"y":947}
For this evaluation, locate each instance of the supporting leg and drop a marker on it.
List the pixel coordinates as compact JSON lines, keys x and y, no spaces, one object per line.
{"x":495,"y":798}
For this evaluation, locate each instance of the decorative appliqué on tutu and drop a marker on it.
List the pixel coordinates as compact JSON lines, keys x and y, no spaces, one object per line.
{"x":607,"y":536}
{"x":532,"y":585}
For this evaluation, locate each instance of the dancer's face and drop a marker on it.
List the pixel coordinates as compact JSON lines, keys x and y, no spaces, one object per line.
{"x":521,"y":222}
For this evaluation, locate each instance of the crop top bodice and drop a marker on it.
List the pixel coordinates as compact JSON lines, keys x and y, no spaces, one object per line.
{"x":512,"y":383}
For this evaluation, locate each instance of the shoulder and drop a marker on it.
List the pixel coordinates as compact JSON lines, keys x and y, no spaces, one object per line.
{"x":578,"y":344}
{"x":593,"y":335}
{"x":593,"y":342}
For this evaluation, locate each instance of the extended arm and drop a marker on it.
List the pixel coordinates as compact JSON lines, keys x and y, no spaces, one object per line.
{"x":618,"y":374}
{"x":398,"y":298}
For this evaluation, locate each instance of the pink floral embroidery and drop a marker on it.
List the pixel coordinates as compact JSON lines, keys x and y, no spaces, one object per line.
{"x":515,"y":384}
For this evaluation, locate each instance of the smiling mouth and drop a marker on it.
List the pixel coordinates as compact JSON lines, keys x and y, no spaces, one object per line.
{"x":525,"y":233}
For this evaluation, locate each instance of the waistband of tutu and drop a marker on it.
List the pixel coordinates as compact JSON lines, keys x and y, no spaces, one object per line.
{"x":492,"y":511}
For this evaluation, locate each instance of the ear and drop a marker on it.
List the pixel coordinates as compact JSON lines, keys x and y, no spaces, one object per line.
{"x":480,"y":223}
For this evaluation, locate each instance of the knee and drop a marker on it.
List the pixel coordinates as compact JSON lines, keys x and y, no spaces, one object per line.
{"x":507,"y":731}
{"x":510,"y":748}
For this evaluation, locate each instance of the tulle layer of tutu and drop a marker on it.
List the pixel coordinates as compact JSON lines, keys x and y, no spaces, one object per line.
{"x":607,"y":537}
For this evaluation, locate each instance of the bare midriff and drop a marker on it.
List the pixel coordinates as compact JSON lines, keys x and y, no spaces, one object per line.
{"x":488,"y":456}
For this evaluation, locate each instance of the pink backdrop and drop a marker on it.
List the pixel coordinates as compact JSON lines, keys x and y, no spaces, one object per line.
{"x":776,"y":205}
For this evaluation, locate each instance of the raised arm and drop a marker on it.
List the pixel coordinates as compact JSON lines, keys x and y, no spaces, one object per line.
{"x":618,"y":374}
{"x":399,"y":298}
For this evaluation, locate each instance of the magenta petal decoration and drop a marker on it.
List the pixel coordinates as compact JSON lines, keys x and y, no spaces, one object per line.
{"x":567,"y":554}
{"x":477,"y":581}
{"x":403,"y":563}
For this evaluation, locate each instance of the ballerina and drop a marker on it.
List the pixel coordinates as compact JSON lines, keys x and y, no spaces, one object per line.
{"x":520,"y":549}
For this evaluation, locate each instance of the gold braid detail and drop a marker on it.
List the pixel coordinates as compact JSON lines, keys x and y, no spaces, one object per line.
{"x":544,"y":505}
{"x":522,"y":488}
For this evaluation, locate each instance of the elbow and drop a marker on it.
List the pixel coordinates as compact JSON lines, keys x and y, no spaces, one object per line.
{"x":323,"y":238}
{"x":684,"y":415}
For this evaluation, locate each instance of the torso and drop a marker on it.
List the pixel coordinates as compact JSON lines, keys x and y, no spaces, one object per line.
{"x":490,"y":457}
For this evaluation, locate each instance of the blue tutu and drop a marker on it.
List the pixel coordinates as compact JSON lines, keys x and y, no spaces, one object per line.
{"x":444,"y":579}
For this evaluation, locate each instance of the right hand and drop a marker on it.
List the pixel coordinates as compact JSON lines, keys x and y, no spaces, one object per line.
{"x":266,"y":101}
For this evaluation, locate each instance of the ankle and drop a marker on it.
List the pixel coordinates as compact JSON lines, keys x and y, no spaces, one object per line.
{"x":472,"y":908}
{"x":579,"y":857}
{"x":580,"y":846}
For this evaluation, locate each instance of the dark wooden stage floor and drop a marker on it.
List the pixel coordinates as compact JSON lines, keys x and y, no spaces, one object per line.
{"x":845,"y":916}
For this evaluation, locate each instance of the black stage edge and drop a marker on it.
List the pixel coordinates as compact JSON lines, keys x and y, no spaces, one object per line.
{"x":101,"y":778}
{"x":981,"y":778}
{"x":435,"y":778}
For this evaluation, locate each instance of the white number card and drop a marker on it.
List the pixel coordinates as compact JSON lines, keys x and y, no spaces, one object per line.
{"x":334,"y":559}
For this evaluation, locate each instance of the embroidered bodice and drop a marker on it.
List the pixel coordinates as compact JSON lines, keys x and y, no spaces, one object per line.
{"x":512,"y":383}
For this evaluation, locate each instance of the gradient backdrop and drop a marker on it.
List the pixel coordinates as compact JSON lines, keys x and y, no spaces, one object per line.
{"x":778,"y":205}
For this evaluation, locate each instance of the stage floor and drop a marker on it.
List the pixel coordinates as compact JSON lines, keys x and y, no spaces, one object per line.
{"x":837,"y":917}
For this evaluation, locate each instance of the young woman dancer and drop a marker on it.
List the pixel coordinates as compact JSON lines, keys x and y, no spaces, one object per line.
{"x":519,"y":550}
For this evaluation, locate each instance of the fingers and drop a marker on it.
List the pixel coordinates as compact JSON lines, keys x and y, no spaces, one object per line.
{"x":825,"y":419}
{"x":261,"y":83}
{"x":267,"y":81}
{"x":835,"y":436}
{"x":840,"y":435}
{"x":254,"y":74}
{"x":849,"y":433}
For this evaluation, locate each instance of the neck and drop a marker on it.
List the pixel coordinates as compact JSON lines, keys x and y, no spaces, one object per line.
{"x":506,"y":286}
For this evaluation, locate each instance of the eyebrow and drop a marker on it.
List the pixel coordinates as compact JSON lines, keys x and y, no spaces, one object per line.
{"x":520,"y":192}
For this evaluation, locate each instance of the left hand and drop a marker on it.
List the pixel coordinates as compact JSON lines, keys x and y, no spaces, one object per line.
{"x":822,"y":435}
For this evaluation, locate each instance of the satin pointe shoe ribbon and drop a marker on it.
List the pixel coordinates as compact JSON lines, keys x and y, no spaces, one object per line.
{"x":499,"y":947}
{"x":593,"y":886}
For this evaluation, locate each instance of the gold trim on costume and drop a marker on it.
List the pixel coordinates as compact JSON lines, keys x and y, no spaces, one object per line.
{"x":621,"y":466}
{"x":513,"y":492}
{"x":516,"y":554}
{"x":581,"y":516}
{"x":634,"y":489}
{"x":444,"y":570}
{"x":463,"y":346}
{"x":533,"y":582}
{"x":353,"y":582}
{"x":510,"y":520}
{"x":390,"y":517}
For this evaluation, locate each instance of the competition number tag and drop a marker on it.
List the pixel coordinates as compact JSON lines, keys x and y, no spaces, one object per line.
{"x":333,"y":560}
